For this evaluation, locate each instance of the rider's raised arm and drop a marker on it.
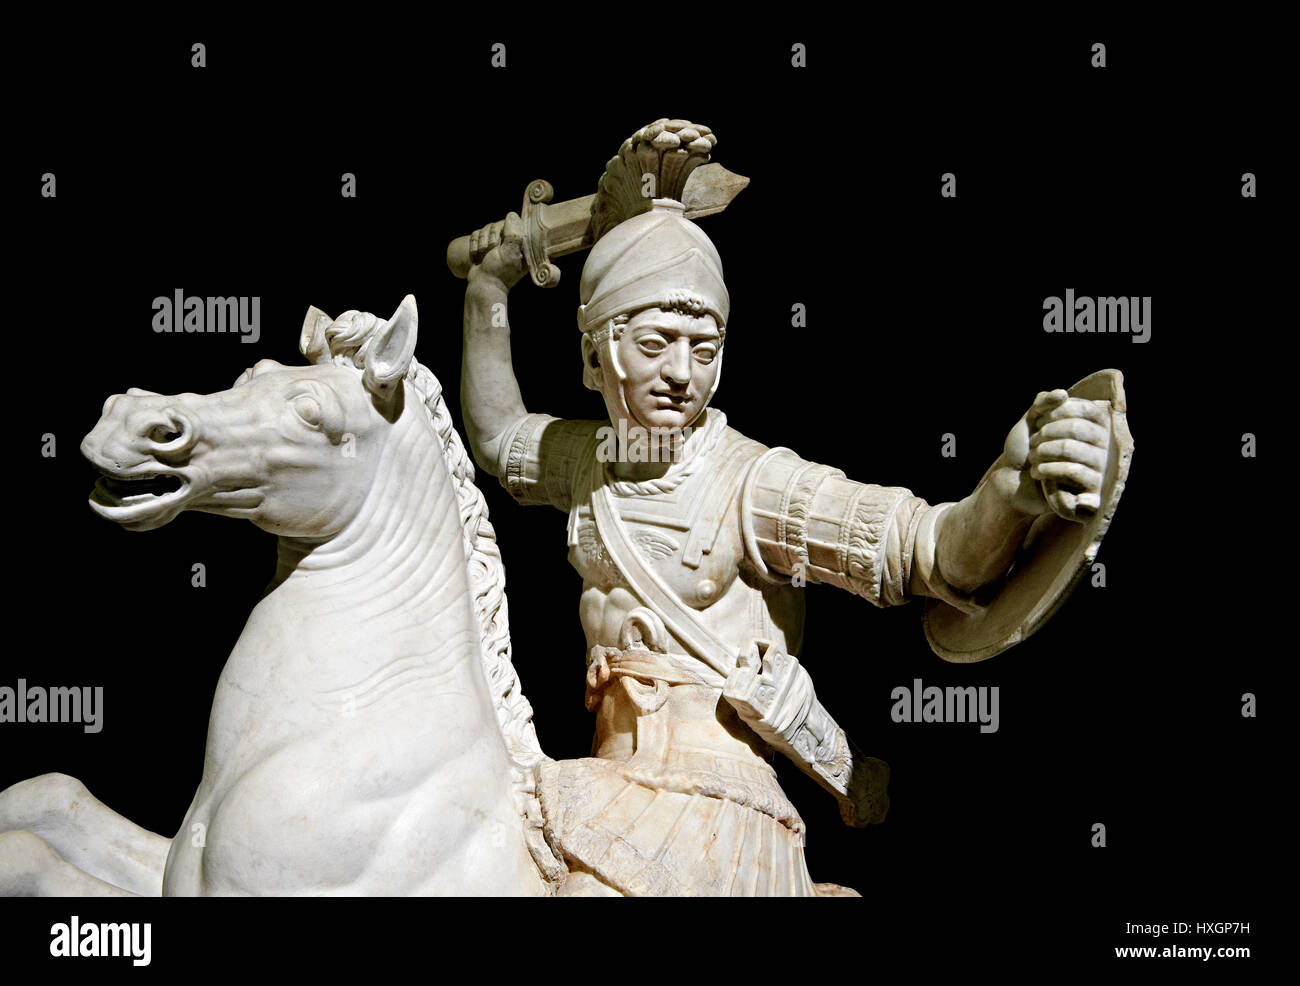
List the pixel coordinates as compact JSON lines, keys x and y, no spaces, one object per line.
{"x":808,"y":523}
{"x":490,"y":401}
{"x":533,"y":455}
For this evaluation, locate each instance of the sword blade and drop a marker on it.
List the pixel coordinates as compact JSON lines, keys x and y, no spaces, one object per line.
{"x":566,"y":226}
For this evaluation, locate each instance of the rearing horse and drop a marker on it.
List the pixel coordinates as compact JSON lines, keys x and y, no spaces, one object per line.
{"x":368,"y":734}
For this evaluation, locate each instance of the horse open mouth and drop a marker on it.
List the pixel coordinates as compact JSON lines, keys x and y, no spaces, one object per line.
{"x":138,"y":498}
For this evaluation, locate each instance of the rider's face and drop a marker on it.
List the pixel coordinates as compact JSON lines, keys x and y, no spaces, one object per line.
{"x":670,"y":362}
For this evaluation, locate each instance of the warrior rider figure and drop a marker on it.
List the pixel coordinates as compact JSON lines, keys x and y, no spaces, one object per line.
{"x":688,"y":536}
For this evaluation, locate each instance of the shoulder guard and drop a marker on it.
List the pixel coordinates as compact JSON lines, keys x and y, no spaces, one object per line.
{"x":540,"y":456}
{"x":808,"y":521}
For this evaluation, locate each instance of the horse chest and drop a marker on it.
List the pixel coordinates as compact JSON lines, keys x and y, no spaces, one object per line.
{"x":333,"y":808}
{"x":310,"y":768}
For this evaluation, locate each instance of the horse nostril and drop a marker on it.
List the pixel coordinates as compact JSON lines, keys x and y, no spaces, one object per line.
{"x":170,"y":436}
{"x":163,"y":435}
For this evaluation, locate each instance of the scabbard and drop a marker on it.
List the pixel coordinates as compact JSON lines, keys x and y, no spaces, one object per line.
{"x":774,"y":696}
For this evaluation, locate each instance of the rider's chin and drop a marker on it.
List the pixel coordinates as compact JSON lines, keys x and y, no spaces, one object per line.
{"x":665,"y":408}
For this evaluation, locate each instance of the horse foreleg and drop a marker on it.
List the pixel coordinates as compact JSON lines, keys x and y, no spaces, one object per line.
{"x":81,"y":832}
{"x":29,"y":867}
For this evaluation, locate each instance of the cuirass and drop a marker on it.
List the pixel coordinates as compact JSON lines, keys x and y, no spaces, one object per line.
{"x":688,"y":532}
{"x":689,"y":537}
{"x":687,"y":528}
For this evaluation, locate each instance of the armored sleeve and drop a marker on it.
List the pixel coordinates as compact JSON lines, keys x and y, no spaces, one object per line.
{"x":807,"y":520}
{"x":539,"y":456}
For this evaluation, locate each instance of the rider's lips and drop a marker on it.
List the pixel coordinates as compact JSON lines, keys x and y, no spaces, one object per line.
{"x":673,"y":400}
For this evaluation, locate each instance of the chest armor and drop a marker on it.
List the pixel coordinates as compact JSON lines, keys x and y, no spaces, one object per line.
{"x":689,"y":535}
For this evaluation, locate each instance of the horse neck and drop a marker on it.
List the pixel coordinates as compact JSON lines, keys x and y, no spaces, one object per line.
{"x":399,"y":567}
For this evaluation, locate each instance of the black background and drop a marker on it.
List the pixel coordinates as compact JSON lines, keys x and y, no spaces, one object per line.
{"x":924,"y":317}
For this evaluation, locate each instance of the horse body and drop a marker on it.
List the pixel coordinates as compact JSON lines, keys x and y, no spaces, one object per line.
{"x":356,"y":744}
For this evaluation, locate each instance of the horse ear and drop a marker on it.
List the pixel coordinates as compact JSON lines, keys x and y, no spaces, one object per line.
{"x":390,"y":352}
{"x":311,"y":342}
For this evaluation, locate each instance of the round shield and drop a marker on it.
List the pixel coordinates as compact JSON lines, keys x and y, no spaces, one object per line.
{"x":1055,"y":555}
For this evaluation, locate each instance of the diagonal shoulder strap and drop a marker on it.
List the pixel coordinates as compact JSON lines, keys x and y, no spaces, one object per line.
{"x":652,"y":591}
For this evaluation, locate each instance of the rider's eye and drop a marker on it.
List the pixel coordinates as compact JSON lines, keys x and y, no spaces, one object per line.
{"x":652,"y":345}
{"x":705,"y":354}
{"x":308,"y":408}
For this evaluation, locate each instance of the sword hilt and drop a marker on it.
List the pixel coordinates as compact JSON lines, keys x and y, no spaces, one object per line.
{"x":774,"y":696}
{"x":532,"y":242}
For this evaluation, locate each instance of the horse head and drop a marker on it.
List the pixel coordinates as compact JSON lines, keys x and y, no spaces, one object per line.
{"x":385,"y":627}
{"x":294,"y":449}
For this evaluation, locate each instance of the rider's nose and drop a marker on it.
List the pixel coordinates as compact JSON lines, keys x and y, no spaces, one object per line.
{"x":677,"y":363}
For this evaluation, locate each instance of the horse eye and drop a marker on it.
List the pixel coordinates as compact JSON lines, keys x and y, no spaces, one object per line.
{"x":308,"y":408}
